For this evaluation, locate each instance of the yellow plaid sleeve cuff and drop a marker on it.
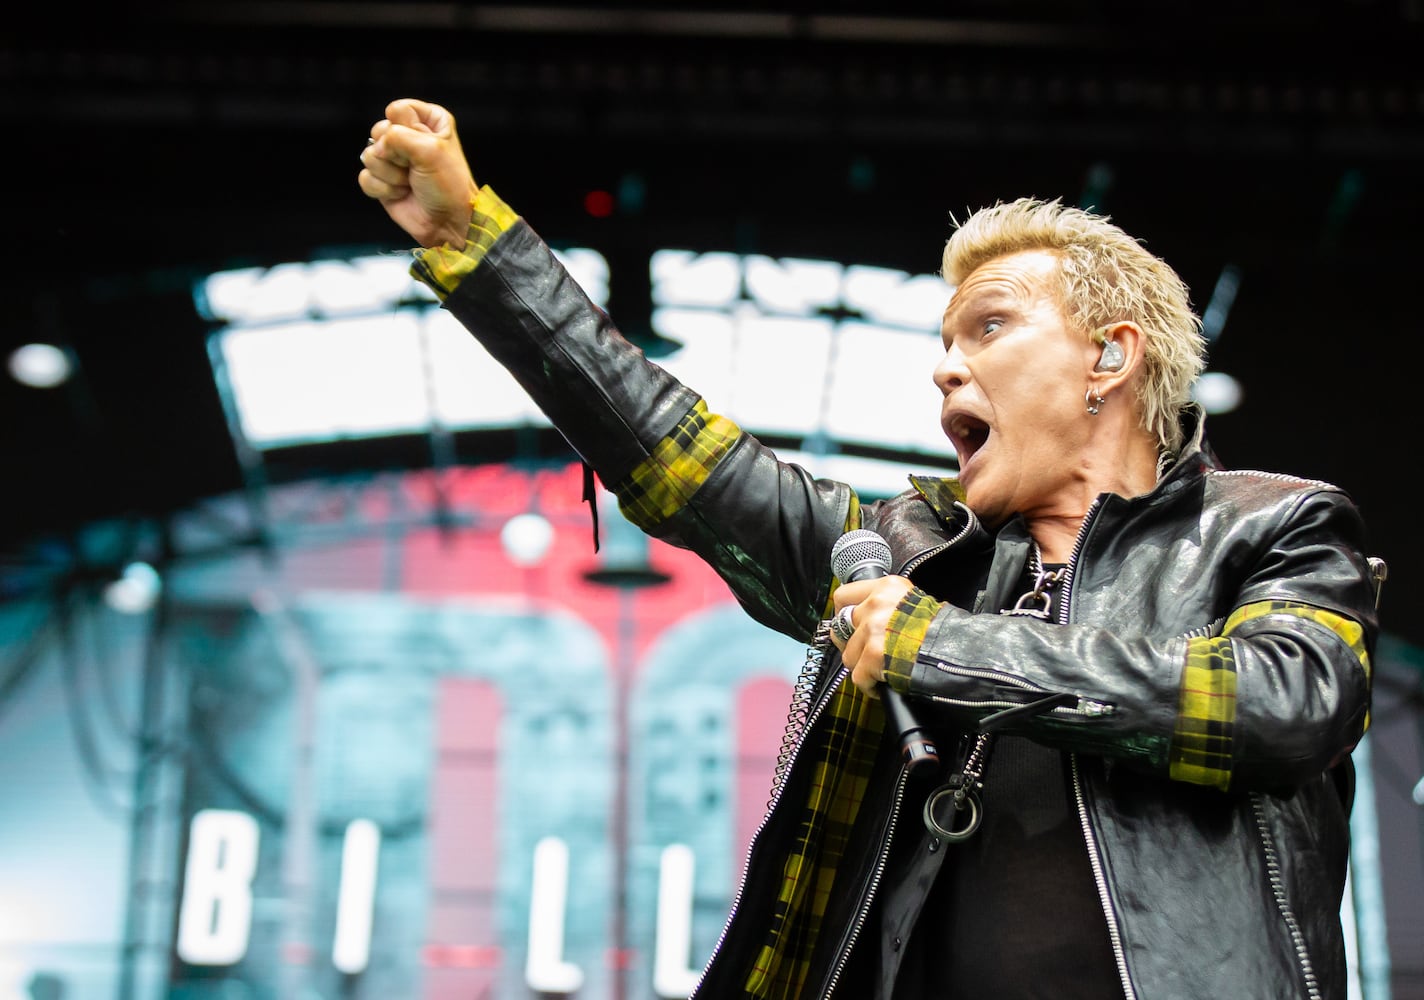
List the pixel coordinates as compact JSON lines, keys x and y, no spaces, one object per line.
{"x":1206,"y":715}
{"x":663,"y":483}
{"x":905,"y":634}
{"x":1202,"y":743}
{"x":442,"y":268}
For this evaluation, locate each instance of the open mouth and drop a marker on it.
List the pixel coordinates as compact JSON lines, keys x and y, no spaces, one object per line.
{"x":967,"y":434}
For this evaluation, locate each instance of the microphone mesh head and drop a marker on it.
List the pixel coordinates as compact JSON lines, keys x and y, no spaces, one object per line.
{"x":858,"y":550}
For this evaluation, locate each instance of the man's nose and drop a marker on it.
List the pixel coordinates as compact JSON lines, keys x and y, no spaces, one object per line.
{"x":951,"y":371}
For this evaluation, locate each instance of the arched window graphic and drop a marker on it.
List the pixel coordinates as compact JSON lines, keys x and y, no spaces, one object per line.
{"x":554,"y":751}
{"x":464,"y":731}
{"x":689,"y":771}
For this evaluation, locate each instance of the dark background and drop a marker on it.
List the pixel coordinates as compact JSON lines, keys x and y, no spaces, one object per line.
{"x":148,"y":145}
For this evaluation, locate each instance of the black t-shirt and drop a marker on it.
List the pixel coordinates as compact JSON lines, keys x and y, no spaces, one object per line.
{"x":1014,"y":913}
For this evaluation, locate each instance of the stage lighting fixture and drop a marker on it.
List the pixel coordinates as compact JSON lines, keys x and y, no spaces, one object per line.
{"x":1217,"y":392}
{"x":136,"y":589}
{"x":42,"y":366}
{"x":526,"y":538}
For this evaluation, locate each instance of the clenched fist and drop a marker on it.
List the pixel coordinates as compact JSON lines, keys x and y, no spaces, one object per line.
{"x":414,"y":166}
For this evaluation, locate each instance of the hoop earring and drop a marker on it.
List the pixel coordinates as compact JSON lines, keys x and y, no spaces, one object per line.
{"x":1094,"y":401}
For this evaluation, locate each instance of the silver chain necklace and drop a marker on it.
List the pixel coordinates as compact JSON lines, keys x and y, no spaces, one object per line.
{"x":964,"y":788}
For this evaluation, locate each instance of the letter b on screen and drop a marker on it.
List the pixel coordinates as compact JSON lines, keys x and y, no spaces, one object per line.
{"x":216,"y":914}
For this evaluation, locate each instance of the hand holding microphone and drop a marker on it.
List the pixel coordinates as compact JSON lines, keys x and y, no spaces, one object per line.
{"x":864,"y":555}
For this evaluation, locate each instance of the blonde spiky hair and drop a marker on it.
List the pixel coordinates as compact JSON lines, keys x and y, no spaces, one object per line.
{"x":1106,"y":276}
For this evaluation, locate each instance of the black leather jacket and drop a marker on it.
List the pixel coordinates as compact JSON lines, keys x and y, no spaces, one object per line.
{"x":1261,"y":580}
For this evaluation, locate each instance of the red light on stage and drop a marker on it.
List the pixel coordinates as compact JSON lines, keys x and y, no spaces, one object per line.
{"x":461,"y":956}
{"x":621,"y":958}
{"x":598,"y":204}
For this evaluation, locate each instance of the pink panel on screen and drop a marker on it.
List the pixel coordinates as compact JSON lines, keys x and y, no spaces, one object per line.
{"x":472,"y":562}
{"x":761,"y":720}
{"x":462,"y":946}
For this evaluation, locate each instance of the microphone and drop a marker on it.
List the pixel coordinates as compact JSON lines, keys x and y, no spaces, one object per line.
{"x":864,"y":555}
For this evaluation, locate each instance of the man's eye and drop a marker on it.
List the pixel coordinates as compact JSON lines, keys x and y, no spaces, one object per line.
{"x":991,"y":326}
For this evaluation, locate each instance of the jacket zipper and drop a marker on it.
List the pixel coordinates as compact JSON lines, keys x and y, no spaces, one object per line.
{"x":1086,"y":707}
{"x":868,"y":897}
{"x":802,"y":701}
{"x":883,"y":851}
{"x":1278,"y":476}
{"x":811,"y":719}
{"x":1278,"y":891}
{"x":971,"y":522}
{"x":1090,"y":837}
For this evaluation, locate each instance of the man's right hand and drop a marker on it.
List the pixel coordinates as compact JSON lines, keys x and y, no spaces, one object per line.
{"x":414,"y":166}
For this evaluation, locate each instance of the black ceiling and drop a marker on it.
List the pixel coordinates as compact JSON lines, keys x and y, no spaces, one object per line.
{"x":151,"y":144}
